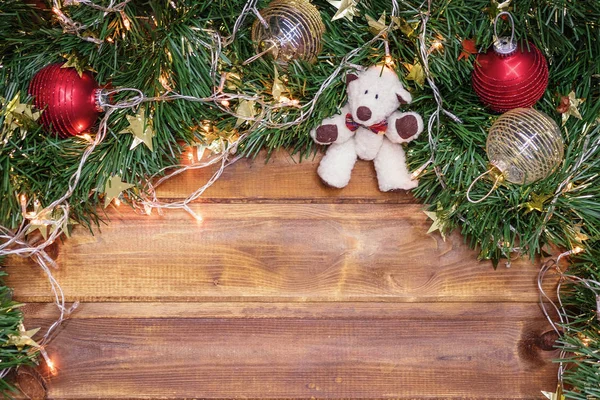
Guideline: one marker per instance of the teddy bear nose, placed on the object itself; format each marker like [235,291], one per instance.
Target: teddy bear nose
[363,113]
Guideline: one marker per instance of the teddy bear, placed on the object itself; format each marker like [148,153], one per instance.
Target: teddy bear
[369,127]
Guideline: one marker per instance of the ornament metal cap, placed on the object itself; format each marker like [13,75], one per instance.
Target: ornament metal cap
[100,99]
[505,45]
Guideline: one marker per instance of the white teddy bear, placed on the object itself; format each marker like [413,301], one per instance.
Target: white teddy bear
[370,127]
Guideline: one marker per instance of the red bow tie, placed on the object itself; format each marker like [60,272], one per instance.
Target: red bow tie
[378,128]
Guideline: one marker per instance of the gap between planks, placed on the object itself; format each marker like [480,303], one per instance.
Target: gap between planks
[280,179]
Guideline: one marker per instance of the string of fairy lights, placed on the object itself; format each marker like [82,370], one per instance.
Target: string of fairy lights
[56,214]
[15,243]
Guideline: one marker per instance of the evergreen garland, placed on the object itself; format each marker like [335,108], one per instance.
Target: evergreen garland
[167,41]
[11,355]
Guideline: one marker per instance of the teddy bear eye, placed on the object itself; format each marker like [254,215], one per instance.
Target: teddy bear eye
[366,91]
[376,96]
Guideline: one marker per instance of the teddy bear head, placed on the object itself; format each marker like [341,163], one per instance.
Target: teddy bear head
[374,94]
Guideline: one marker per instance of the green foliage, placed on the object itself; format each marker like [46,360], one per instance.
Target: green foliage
[11,318]
[173,42]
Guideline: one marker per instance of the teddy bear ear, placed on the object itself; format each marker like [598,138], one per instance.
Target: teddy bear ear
[403,96]
[350,78]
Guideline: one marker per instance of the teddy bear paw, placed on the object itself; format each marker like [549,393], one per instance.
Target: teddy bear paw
[326,134]
[395,185]
[407,126]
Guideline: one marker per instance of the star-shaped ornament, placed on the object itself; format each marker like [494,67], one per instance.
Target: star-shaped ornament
[141,129]
[569,106]
[497,7]
[377,26]
[18,115]
[113,188]
[67,222]
[245,111]
[407,28]
[23,339]
[537,202]
[577,235]
[437,224]
[558,395]
[74,62]
[279,89]
[468,48]
[415,73]
[345,9]
[40,220]
[233,81]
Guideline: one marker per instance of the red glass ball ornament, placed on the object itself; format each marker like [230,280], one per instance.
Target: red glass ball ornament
[69,101]
[510,76]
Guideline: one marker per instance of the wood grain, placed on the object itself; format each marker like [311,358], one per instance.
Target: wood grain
[281,178]
[306,350]
[286,289]
[273,252]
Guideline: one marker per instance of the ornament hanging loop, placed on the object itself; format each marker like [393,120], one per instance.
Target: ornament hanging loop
[499,179]
[504,45]
[104,96]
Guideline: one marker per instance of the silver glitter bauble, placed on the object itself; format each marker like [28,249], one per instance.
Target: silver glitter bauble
[293,30]
[525,145]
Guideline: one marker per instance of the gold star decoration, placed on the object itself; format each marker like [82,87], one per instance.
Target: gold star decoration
[67,222]
[407,28]
[141,129]
[415,73]
[39,220]
[437,224]
[23,338]
[537,202]
[113,188]
[576,234]
[496,8]
[558,395]
[345,9]
[569,106]
[245,112]
[233,81]
[18,115]
[376,26]
[74,62]
[279,89]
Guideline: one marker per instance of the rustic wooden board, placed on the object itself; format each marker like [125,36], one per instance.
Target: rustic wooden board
[273,252]
[346,350]
[282,178]
[286,289]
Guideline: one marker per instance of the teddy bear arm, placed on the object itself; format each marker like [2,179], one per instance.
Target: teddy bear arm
[404,126]
[332,129]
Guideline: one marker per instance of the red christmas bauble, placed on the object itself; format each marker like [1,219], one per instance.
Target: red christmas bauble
[510,76]
[69,101]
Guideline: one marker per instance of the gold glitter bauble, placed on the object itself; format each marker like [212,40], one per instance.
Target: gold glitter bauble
[525,145]
[294,30]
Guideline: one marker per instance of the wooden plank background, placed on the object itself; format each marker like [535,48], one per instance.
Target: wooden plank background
[286,289]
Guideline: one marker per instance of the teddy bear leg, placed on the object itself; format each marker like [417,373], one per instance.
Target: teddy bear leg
[390,164]
[336,166]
